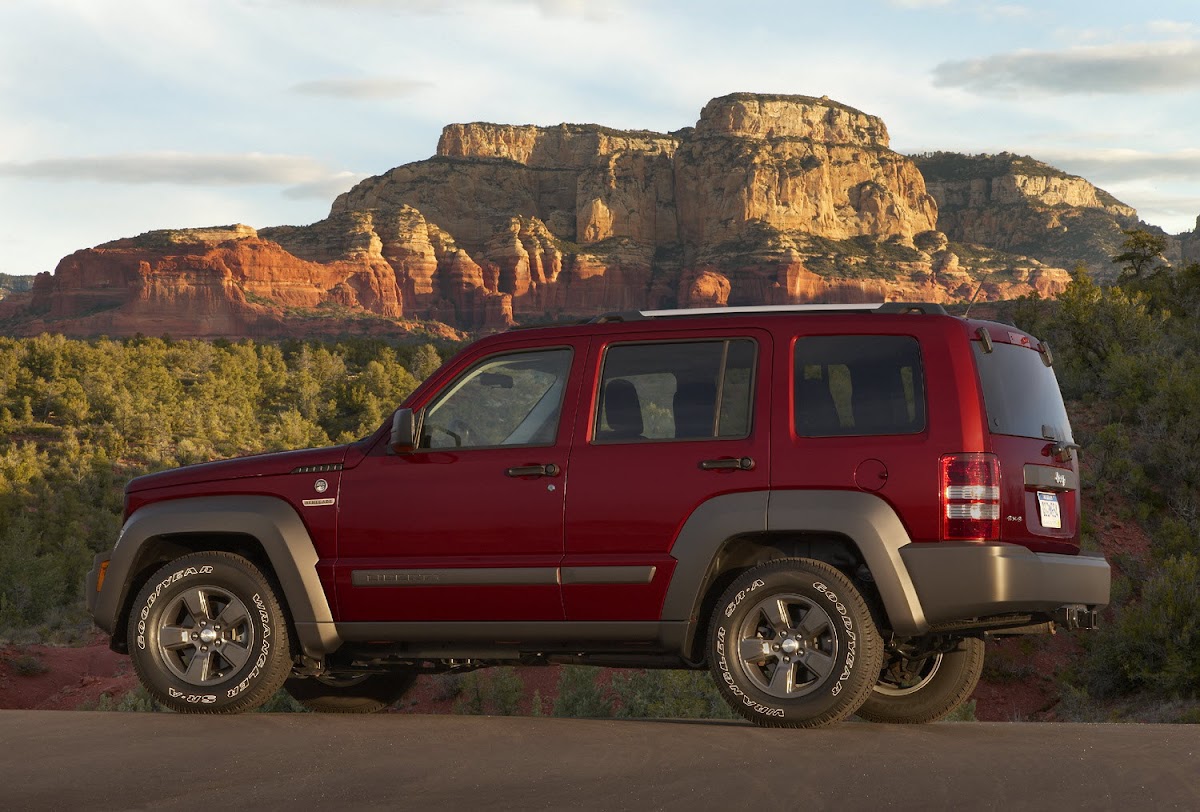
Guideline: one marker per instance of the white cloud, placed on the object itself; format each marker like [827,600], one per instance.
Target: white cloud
[367,87]
[1127,164]
[1133,68]
[189,169]
[919,3]
[1172,28]
[325,189]
[550,8]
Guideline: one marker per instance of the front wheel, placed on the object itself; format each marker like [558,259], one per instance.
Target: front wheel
[207,635]
[792,644]
[925,689]
[353,693]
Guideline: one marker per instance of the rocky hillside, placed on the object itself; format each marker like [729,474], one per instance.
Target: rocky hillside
[14,284]
[767,200]
[1014,203]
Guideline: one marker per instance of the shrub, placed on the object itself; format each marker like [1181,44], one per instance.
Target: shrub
[494,691]
[580,695]
[674,694]
[27,665]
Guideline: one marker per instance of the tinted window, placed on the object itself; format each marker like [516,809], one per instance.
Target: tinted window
[676,391]
[1021,393]
[856,385]
[512,399]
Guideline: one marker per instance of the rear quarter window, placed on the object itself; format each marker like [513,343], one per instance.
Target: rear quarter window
[858,385]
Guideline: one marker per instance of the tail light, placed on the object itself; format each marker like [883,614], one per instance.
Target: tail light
[970,497]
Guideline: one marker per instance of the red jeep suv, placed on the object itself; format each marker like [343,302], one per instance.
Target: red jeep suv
[829,507]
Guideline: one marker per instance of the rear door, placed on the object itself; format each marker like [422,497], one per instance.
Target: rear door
[1028,424]
[663,426]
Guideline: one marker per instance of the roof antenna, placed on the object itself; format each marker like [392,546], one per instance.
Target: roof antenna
[978,288]
[971,303]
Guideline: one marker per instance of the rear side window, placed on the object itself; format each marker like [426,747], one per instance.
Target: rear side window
[858,385]
[693,390]
[1021,393]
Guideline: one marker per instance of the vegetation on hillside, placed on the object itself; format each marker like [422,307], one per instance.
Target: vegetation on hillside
[1128,362]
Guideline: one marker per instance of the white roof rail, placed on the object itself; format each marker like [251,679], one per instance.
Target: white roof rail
[721,311]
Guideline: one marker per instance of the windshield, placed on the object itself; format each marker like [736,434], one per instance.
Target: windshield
[1021,393]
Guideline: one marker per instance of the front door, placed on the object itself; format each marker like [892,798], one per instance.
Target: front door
[470,525]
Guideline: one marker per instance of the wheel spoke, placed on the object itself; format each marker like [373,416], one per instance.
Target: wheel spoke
[198,669]
[781,680]
[197,604]
[175,638]
[818,662]
[777,615]
[814,623]
[232,615]
[754,650]
[237,655]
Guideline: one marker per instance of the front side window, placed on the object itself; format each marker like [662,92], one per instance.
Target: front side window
[512,399]
[858,385]
[693,390]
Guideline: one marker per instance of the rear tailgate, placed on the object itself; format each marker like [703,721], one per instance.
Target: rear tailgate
[1028,424]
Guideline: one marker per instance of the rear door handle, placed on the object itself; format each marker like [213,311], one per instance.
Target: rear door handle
[728,463]
[549,469]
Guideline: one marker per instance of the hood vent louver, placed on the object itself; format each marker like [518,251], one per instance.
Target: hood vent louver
[318,469]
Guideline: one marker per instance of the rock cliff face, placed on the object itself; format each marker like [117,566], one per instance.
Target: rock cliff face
[1014,203]
[767,199]
[1190,244]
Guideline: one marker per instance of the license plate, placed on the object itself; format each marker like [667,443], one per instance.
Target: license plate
[1048,510]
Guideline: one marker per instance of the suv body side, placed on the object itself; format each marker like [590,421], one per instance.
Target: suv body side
[627,537]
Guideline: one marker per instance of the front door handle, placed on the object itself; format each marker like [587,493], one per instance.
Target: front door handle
[549,469]
[728,463]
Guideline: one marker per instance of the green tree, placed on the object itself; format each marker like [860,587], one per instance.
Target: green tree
[1141,253]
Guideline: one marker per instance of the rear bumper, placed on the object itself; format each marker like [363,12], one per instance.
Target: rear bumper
[958,581]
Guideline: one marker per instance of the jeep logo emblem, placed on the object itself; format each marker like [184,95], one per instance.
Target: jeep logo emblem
[320,486]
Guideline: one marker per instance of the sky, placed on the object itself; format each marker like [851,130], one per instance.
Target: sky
[122,116]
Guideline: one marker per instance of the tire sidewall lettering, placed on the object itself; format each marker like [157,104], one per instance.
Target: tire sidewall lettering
[174,577]
[264,653]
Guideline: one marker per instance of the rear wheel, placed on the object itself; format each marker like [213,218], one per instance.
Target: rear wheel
[350,693]
[792,644]
[924,689]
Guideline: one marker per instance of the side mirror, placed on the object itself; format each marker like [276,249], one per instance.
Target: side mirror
[404,432]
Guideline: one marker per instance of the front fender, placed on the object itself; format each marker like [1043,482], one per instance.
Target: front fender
[271,521]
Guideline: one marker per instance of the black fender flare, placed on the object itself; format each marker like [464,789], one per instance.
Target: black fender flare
[865,519]
[270,520]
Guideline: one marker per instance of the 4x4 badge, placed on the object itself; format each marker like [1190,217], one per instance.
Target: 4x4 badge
[320,486]
[1060,478]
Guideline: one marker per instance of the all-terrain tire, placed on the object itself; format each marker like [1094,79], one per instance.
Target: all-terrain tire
[367,693]
[207,635]
[792,644]
[913,692]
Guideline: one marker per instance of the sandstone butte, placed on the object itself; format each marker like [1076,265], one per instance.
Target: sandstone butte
[767,200]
